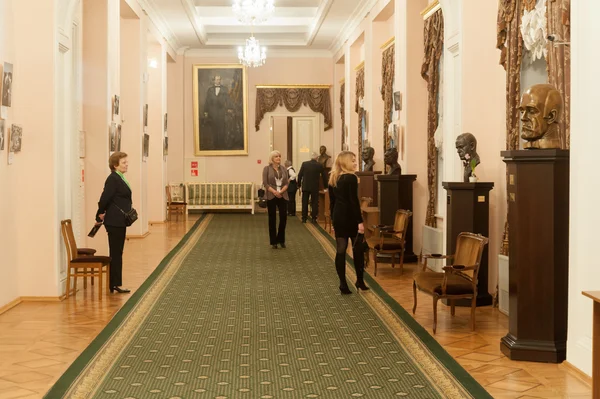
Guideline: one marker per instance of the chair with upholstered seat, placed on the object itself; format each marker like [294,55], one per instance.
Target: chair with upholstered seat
[82,259]
[458,281]
[390,239]
[176,206]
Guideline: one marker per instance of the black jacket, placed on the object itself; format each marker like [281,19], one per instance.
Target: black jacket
[308,177]
[116,194]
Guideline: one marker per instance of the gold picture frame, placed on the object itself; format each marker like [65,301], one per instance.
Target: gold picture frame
[220,116]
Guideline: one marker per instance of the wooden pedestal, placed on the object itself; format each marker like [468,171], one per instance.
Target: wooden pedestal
[595,296]
[367,187]
[468,209]
[396,192]
[538,219]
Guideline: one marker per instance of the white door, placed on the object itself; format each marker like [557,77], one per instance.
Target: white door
[305,133]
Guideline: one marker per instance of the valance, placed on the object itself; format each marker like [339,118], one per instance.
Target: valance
[292,98]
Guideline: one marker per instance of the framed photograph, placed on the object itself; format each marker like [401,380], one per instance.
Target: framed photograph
[165,128]
[220,109]
[146,115]
[166,147]
[112,137]
[397,101]
[118,138]
[116,101]
[7,77]
[146,146]
[16,138]
[1,135]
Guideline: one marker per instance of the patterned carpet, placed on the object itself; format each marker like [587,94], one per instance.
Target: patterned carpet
[225,316]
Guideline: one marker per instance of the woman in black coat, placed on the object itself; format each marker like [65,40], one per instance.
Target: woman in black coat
[347,218]
[114,202]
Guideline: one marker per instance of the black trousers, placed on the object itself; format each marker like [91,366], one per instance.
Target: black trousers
[116,243]
[293,188]
[277,236]
[358,254]
[314,203]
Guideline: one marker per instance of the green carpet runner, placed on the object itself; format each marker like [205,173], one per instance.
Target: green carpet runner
[225,316]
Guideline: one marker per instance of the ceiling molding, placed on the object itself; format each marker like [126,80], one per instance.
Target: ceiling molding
[161,25]
[351,25]
[190,10]
[271,53]
[322,12]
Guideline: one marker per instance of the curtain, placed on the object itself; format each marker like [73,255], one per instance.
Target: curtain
[387,92]
[558,17]
[343,111]
[510,44]
[430,71]
[360,93]
[268,99]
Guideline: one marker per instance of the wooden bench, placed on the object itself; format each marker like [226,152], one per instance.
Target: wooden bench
[220,196]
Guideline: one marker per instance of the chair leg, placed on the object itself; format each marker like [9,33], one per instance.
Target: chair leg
[415,296]
[435,301]
[393,260]
[107,278]
[100,283]
[68,283]
[402,261]
[473,308]
[375,262]
[75,281]
[452,307]
[85,270]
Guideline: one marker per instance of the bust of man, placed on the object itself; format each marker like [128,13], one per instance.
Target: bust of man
[540,108]
[391,159]
[367,157]
[323,157]
[466,146]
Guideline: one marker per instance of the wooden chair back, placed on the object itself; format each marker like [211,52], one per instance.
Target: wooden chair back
[66,228]
[365,202]
[168,191]
[469,250]
[401,223]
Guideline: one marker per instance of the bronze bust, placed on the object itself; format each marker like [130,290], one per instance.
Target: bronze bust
[540,108]
[391,159]
[323,157]
[367,157]
[466,146]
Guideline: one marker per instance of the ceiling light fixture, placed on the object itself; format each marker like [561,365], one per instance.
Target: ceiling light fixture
[253,12]
[252,55]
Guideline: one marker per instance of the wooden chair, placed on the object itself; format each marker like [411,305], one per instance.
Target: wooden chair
[365,202]
[458,281]
[174,207]
[390,239]
[82,260]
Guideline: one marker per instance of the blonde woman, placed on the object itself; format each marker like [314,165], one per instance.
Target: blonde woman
[347,218]
[275,181]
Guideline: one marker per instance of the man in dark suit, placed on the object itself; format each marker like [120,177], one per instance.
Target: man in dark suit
[217,106]
[308,180]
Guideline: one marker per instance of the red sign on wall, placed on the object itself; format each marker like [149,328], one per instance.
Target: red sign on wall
[194,164]
[195,172]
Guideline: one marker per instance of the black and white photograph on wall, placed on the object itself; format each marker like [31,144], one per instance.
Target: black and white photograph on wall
[112,137]
[146,115]
[118,138]
[166,147]
[16,138]
[7,78]
[397,101]
[165,128]
[1,135]
[116,105]
[146,146]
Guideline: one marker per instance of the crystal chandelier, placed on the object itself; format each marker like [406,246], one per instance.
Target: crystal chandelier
[253,12]
[252,55]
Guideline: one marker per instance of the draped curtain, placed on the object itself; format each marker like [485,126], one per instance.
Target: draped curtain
[558,18]
[343,111]
[268,99]
[387,92]
[510,44]
[430,71]
[360,93]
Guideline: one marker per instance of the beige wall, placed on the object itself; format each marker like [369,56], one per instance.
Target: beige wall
[235,168]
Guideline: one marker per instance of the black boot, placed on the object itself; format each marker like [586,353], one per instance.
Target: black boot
[340,268]
[359,264]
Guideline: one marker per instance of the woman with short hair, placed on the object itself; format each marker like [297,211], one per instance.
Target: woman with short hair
[114,202]
[275,181]
[347,218]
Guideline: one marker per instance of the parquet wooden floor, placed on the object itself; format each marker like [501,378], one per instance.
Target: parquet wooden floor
[39,340]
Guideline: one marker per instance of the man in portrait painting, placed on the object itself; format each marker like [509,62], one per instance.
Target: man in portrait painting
[218,112]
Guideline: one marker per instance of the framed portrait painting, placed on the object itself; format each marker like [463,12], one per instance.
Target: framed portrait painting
[220,109]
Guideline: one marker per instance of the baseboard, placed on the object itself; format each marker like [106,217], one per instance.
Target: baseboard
[138,236]
[10,305]
[578,373]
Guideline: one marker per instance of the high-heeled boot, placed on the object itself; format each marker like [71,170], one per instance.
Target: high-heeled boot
[340,268]
[359,267]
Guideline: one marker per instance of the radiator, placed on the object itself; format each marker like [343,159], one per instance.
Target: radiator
[220,196]
[433,244]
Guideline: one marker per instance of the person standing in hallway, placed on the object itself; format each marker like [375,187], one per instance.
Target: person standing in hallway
[275,181]
[114,202]
[308,181]
[292,188]
[347,218]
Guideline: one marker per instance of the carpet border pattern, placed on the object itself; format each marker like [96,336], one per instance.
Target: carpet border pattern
[446,374]
[83,377]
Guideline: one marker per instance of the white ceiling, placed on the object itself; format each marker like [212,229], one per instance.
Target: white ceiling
[296,24]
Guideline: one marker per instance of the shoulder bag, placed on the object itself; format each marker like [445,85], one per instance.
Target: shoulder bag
[130,217]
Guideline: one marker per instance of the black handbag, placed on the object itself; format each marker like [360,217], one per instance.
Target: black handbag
[130,217]
[262,201]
